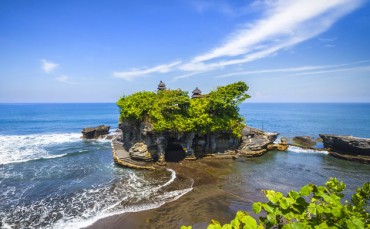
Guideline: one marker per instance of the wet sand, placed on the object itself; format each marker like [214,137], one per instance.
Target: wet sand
[208,200]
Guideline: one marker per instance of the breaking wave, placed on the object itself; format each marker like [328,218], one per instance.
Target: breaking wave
[23,148]
[297,149]
[136,192]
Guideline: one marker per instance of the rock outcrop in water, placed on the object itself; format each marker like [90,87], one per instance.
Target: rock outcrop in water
[255,142]
[169,126]
[144,144]
[304,141]
[347,147]
[95,132]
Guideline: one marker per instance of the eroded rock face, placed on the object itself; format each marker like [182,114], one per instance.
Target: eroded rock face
[95,132]
[142,142]
[193,144]
[255,141]
[347,144]
[139,151]
[282,146]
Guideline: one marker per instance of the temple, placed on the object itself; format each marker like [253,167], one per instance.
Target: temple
[161,86]
[197,93]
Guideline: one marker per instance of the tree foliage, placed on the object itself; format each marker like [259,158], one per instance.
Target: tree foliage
[173,110]
[312,207]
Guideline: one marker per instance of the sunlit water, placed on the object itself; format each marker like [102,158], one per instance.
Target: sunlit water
[51,178]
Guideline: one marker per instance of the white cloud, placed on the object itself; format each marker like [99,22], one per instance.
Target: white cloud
[287,22]
[63,78]
[48,66]
[129,75]
[283,24]
[352,69]
[328,39]
[301,70]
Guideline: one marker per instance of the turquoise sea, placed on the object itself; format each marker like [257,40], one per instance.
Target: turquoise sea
[51,178]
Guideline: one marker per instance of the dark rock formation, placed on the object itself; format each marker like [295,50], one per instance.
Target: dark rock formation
[144,144]
[348,147]
[255,141]
[173,146]
[304,141]
[95,132]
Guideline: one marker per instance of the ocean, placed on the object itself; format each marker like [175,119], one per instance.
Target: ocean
[51,178]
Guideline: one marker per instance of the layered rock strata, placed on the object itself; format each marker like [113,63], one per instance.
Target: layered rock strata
[347,147]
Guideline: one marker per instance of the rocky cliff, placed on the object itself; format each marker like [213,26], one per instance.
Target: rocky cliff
[144,144]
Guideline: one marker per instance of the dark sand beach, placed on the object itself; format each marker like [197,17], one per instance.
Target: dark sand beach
[206,201]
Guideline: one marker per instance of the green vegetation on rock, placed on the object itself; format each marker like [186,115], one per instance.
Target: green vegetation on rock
[173,110]
[312,207]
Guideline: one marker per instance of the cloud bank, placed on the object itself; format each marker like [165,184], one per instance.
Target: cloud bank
[283,24]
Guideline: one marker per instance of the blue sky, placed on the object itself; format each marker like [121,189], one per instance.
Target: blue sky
[96,51]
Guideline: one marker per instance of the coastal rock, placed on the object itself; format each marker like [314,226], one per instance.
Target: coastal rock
[95,132]
[284,139]
[283,146]
[348,147]
[144,144]
[347,144]
[139,151]
[255,141]
[252,153]
[304,141]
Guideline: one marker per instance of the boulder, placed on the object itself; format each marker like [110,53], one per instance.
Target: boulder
[347,144]
[95,132]
[139,151]
[255,141]
[304,141]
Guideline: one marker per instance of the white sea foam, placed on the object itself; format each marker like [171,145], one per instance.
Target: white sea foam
[142,190]
[79,222]
[297,149]
[135,192]
[22,148]
[173,177]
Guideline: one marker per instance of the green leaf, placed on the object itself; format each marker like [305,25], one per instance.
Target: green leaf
[323,225]
[337,211]
[355,223]
[312,209]
[249,222]
[257,207]
[267,208]
[284,204]
[295,225]
[214,225]
[271,217]
[186,227]
[306,190]
[293,194]
[228,226]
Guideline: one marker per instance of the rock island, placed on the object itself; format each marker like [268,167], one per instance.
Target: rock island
[169,126]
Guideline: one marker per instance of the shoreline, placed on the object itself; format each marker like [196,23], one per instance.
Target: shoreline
[206,201]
